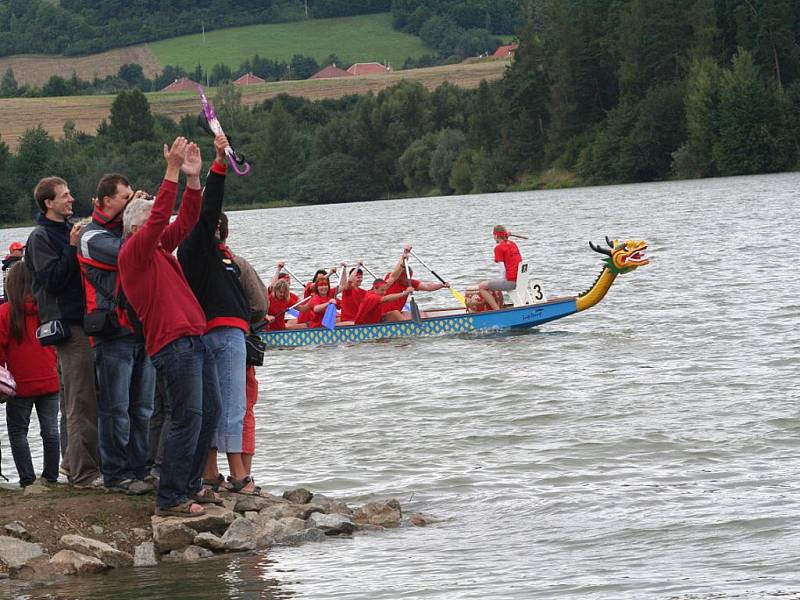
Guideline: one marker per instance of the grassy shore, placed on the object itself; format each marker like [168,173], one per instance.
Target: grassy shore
[365,38]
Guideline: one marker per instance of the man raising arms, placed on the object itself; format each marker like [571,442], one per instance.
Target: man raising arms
[173,324]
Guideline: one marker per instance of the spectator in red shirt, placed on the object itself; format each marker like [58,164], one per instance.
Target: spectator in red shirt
[507,253]
[34,369]
[174,324]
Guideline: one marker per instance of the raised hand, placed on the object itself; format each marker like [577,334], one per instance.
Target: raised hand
[193,162]
[175,154]
[220,144]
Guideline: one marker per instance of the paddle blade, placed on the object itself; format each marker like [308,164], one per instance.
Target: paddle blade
[329,318]
[415,315]
[458,296]
[406,307]
[293,313]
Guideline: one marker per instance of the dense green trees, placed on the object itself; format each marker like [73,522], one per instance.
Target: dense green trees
[607,91]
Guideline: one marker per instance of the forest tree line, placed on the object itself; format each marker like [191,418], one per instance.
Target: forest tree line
[600,91]
[450,28]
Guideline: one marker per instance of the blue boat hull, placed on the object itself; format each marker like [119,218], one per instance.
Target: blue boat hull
[522,317]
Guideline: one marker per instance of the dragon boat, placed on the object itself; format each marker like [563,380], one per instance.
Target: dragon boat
[529,308]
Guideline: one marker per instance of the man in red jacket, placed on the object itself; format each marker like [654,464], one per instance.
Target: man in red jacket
[173,324]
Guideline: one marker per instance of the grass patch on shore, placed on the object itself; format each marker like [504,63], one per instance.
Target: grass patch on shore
[552,179]
[364,38]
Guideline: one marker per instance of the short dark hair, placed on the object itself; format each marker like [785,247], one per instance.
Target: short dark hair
[107,186]
[46,190]
[223,227]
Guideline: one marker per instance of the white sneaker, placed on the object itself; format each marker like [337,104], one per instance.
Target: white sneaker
[96,484]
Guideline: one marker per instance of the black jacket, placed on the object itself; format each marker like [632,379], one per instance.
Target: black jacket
[213,277]
[56,276]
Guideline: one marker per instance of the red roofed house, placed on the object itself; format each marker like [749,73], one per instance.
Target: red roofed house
[184,84]
[506,51]
[370,68]
[249,79]
[330,72]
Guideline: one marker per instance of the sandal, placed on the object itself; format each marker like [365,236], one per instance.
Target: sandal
[213,484]
[184,509]
[238,485]
[206,496]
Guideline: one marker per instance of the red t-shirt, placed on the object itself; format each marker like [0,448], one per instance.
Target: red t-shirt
[277,309]
[507,253]
[316,317]
[369,311]
[396,288]
[351,300]
[305,317]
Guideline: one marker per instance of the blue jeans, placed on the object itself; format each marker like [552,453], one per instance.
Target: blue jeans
[227,346]
[126,381]
[192,393]
[18,419]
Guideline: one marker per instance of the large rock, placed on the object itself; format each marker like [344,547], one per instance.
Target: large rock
[15,554]
[69,562]
[210,541]
[279,528]
[245,502]
[385,514]
[190,554]
[298,511]
[298,496]
[246,534]
[171,534]
[331,524]
[109,555]
[216,518]
[145,555]
[329,505]
[17,529]
[302,537]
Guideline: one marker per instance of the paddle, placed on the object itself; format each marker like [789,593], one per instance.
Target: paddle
[457,295]
[368,271]
[293,276]
[415,316]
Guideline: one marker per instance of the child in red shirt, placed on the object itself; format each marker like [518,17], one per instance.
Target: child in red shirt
[507,253]
[34,369]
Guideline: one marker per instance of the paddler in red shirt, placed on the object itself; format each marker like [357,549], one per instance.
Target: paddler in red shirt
[393,310]
[369,311]
[319,301]
[507,253]
[352,293]
[280,299]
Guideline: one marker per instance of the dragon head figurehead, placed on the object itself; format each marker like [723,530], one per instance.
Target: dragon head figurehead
[623,256]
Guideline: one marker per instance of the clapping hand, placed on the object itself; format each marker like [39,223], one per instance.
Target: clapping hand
[193,162]
[175,154]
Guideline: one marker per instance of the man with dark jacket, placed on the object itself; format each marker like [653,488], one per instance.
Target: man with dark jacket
[213,276]
[50,254]
[125,375]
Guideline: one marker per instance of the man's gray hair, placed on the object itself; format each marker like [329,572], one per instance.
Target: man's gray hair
[136,213]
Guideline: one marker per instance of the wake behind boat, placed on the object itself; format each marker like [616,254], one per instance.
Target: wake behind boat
[526,311]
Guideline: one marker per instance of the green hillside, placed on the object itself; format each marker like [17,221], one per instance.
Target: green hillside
[363,38]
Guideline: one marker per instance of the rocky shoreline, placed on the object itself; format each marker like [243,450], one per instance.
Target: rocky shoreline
[61,532]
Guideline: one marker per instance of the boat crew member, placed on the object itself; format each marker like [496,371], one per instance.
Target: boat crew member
[507,253]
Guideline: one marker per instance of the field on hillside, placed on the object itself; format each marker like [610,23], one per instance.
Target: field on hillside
[19,114]
[34,69]
[365,38]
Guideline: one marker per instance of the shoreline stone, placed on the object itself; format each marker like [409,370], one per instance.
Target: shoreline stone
[242,524]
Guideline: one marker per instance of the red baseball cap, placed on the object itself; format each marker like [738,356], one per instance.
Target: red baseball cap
[16,246]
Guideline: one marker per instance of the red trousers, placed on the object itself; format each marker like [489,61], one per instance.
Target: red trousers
[249,429]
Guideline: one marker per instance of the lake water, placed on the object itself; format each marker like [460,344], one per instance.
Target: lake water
[647,448]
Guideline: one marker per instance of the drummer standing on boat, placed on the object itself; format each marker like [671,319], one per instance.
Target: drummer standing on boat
[507,253]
